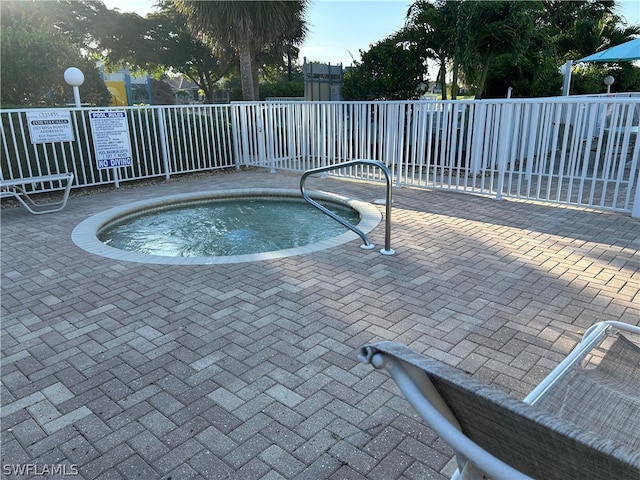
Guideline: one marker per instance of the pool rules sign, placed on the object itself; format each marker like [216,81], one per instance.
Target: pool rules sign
[111,142]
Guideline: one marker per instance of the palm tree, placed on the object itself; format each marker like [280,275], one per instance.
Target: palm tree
[492,29]
[594,35]
[430,27]
[249,28]
[579,28]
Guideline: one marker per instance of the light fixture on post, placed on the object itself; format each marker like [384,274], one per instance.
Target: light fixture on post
[608,81]
[74,77]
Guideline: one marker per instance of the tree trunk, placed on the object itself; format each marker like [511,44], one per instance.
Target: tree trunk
[256,87]
[208,88]
[483,80]
[205,84]
[454,83]
[443,80]
[246,74]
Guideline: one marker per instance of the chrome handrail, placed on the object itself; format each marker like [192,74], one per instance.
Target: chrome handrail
[374,163]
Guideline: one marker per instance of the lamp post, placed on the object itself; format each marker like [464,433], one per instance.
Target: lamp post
[608,81]
[74,77]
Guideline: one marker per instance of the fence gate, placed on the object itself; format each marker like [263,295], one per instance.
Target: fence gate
[264,134]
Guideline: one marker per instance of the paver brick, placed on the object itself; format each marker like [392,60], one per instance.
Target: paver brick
[28,432]
[136,467]
[352,456]
[249,370]
[249,450]
[282,461]
[209,466]
[254,469]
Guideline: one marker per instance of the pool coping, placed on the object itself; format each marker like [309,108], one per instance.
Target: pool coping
[84,235]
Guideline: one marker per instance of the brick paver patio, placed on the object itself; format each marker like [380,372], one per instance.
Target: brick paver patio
[126,370]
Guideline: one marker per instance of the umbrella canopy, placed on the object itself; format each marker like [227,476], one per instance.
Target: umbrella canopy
[620,53]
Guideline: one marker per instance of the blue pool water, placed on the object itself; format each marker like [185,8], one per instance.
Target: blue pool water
[225,227]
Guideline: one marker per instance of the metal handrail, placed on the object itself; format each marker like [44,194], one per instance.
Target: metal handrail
[374,163]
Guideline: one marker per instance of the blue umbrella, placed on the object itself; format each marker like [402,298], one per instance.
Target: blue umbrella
[620,53]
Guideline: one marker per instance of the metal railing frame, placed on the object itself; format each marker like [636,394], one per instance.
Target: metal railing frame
[387,250]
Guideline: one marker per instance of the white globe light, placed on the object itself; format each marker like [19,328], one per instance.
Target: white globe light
[74,76]
[608,80]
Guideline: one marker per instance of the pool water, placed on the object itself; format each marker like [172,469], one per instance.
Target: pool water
[235,226]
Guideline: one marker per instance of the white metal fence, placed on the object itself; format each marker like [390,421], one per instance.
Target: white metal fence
[574,150]
[164,141]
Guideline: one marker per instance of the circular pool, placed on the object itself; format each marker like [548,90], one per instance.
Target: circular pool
[228,226]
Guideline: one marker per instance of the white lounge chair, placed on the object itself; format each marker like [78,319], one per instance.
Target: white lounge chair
[581,422]
[19,189]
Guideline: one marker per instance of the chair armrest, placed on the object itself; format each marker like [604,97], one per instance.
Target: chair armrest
[427,402]
[590,339]
[38,179]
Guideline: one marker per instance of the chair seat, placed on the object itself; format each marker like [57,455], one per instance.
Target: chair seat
[605,398]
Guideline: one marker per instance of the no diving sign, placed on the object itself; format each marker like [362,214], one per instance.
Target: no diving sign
[111,142]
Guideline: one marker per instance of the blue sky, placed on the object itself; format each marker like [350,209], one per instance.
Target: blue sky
[339,29]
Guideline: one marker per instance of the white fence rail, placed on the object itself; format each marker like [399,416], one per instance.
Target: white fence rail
[574,150]
[164,141]
[580,151]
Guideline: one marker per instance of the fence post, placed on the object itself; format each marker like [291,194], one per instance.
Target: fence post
[532,132]
[163,142]
[235,133]
[503,149]
[477,128]
[635,210]
[265,142]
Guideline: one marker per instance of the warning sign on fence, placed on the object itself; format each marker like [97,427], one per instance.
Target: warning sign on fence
[50,126]
[111,141]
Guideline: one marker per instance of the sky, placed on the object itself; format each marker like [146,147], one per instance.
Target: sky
[339,29]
